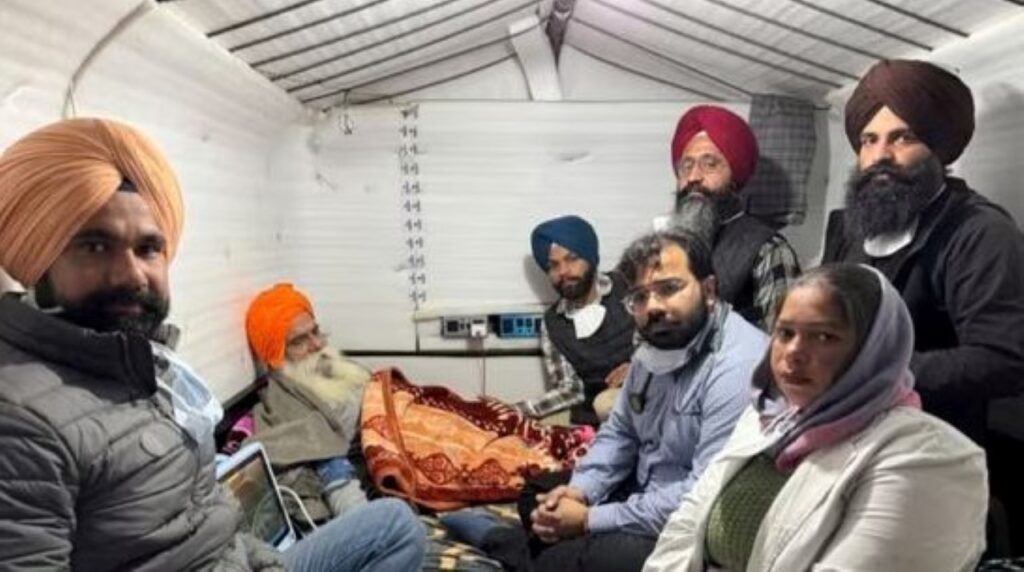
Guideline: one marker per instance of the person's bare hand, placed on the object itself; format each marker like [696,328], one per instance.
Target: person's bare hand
[568,520]
[617,376]
[545,523]
[547,519]
[551,499]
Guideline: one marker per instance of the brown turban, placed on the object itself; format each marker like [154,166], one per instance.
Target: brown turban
[933,102]
[270,318]
[57,177]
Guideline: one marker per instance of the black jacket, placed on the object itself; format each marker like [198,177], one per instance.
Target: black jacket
[735,253]
[962,278]
[595,357]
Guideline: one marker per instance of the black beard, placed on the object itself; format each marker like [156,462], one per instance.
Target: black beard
[877,206]
[94,313]
[578,291]
[666,334]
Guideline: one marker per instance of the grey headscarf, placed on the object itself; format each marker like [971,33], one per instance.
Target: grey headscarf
[877,380]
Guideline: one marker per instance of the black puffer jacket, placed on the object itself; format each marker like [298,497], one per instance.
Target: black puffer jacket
[94,473]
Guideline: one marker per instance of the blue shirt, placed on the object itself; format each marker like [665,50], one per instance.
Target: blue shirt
[688,416]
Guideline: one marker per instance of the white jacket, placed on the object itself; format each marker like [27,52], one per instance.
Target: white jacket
[908,493]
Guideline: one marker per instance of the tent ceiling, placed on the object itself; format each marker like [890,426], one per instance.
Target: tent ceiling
[324,52]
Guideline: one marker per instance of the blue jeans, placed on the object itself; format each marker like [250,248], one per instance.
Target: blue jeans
[383,536]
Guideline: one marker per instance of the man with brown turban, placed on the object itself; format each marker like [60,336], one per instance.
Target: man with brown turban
[714,153]
[957,258]
[106,434]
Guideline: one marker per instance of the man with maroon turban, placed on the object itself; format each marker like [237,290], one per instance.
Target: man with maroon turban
[957,258]
[106,435]
[714,153]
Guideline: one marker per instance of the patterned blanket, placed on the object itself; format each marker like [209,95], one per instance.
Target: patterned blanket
[427,444]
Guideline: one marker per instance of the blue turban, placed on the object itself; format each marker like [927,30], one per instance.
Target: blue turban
[570,232]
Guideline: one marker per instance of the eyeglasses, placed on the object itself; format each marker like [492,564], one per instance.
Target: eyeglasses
[637,298]
[708,164]
[308,340]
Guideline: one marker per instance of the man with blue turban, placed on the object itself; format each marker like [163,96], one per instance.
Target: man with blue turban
[587,335]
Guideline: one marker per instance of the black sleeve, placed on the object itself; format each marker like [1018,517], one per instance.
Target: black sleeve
[982,282]
[835,238]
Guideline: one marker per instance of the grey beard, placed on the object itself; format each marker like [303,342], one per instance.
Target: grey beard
[328,374]
[696,214]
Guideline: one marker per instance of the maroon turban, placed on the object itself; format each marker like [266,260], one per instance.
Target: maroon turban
[728,131]
[933,102]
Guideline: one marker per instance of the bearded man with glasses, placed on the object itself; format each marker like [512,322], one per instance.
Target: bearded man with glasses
[687,384]
[714,153]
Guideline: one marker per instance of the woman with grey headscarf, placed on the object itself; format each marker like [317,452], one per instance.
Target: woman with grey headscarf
[834,466]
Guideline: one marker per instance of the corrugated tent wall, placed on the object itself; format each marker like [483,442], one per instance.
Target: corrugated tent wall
[387,215]
[219,123]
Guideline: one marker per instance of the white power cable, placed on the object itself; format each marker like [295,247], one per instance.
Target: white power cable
[302,506]
[69,109]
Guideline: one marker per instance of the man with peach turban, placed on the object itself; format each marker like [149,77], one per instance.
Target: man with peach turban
[956,257]
[106,433]
[714,153]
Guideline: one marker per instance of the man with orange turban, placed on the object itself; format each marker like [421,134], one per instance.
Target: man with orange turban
[269,323]
[956,257]
[308,414]
[714,153]
[107,435]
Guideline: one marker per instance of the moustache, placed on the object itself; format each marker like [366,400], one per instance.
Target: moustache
[148,301]
[887,169]
[104,311]
[692,191]
[660,321]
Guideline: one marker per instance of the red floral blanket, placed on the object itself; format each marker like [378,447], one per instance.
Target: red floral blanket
[429,445]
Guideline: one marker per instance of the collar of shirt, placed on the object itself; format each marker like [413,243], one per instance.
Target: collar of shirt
[733,218]
[196,410]
[889,243]
[587,319]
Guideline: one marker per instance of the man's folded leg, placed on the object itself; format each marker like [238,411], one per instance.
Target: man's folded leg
[383,536]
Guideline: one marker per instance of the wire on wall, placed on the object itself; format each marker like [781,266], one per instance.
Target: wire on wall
[70,110]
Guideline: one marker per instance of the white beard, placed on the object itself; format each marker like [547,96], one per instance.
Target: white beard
[336,380]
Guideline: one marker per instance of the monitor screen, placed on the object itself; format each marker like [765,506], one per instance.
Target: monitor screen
[262,513]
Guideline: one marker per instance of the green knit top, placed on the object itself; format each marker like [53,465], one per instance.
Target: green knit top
[738,511]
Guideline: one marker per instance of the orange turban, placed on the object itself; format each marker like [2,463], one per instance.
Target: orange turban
[57,177]
[269,319]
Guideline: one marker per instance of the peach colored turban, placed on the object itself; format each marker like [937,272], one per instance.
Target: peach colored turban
[57,177]
[269,319]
